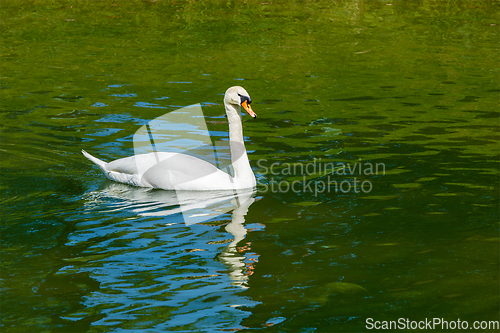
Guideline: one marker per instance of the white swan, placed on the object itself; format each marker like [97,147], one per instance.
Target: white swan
[176,171]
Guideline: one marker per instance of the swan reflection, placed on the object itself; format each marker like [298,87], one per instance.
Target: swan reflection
[191,208]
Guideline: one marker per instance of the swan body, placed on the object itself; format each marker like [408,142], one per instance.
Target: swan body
[176,171]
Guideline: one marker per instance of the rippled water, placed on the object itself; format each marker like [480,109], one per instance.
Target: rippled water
[409,86]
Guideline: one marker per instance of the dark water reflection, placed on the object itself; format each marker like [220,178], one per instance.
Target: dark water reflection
[411,85]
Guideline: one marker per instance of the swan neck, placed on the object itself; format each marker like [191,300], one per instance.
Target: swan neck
[239,157]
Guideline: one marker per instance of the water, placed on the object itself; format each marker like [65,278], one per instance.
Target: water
[412,86]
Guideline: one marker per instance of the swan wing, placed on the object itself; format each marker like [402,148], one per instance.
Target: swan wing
[185,172]
[169,171]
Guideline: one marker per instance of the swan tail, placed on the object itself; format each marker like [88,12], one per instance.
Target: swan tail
[98,162]
[116,175]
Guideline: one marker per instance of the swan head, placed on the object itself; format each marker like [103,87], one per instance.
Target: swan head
[238,96]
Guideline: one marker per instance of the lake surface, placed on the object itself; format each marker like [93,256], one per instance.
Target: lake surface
[340,88]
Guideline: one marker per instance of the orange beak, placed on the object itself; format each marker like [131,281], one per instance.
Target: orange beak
[248,109]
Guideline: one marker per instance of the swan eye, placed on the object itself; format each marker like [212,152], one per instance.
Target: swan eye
[245,98]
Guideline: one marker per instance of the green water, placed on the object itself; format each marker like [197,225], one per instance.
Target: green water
[410,85]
